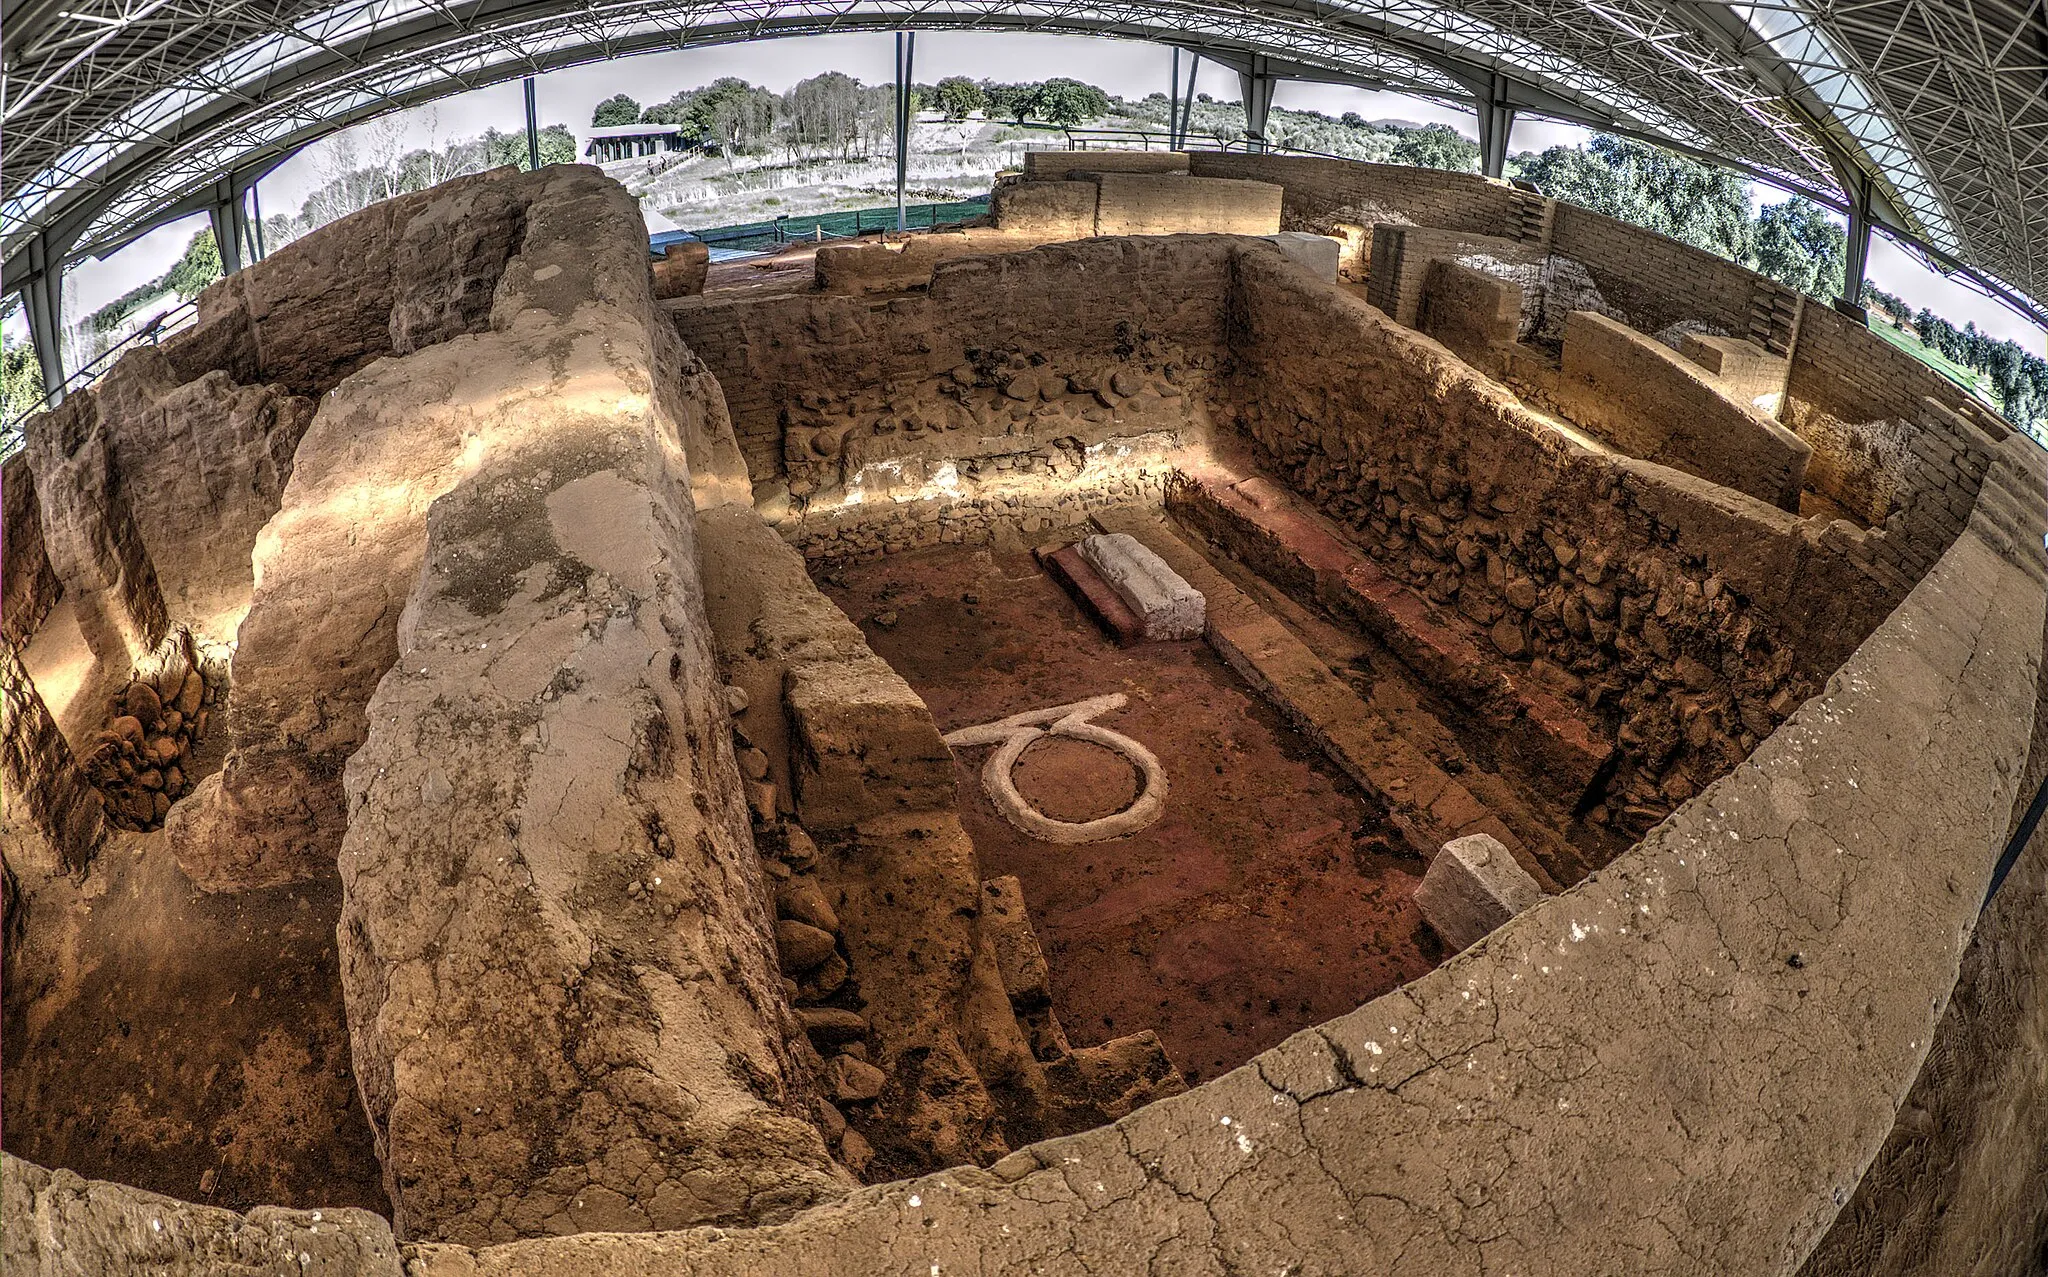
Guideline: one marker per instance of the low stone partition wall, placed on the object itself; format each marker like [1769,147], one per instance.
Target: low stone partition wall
[1650,402]
[1169,204]
[1479,316]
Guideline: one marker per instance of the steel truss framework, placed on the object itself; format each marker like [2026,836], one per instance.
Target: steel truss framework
[119,114]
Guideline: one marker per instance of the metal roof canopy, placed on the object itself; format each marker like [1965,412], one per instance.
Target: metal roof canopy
[1933,114]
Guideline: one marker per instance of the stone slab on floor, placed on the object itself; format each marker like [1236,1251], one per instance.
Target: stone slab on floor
[1078,579]
[1424,803]
[1473,886]
[1167,607]
[1291,546]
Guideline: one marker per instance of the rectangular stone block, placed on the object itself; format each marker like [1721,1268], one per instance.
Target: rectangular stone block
[1166,606]
[1473,885]
[1055,165]
[1319,254]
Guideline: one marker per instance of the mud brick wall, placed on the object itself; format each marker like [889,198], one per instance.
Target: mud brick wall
[1401,257]
[1652,403]
[1320,190]
[1163,204]
[29,583]
[1055,165]
[1657,281]
[1477,315]
[1691,619]
[1853,396]
[1055,208]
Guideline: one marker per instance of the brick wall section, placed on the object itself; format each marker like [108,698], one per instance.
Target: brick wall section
[1644,398]
[1164,204]
[29,582]
[1854,396]
[1055,165]
[1659,281]
[1319,189]
[1477,315]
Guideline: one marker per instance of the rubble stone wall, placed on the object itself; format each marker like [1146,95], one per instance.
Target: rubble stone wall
[1693,618]
[1014,389]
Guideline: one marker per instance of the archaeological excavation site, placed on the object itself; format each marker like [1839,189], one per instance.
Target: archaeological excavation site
[1241,713]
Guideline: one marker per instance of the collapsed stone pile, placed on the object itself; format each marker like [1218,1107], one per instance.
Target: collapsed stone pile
[810,947]
[141,762]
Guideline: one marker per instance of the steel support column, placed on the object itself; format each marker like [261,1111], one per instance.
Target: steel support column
[229,224]
[906,49]
[1256,87]
[532,129]
[1496,122]
[1858,264]
[1187,104]
[43,297]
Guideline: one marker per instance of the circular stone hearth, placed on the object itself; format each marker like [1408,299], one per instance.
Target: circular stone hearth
[1075,780]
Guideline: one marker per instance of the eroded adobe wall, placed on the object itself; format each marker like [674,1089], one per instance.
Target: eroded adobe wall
[30,583]
[1692,618]
[539,1047]
[1015,391]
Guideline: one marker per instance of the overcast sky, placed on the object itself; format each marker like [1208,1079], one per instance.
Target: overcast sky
[1126,68]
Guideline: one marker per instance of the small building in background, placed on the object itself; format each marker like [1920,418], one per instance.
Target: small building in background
[631,141]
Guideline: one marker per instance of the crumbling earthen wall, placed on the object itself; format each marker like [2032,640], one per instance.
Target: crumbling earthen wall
[1479,316]
[582,1027]
[30,583]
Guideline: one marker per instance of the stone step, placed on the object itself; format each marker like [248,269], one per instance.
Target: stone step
[1425,804]
[1549,739]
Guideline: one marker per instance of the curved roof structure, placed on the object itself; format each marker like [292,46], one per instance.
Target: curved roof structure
[121,113]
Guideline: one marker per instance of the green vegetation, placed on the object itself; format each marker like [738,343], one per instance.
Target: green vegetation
[199,267]
[616,110]
[959,97]
[21,385]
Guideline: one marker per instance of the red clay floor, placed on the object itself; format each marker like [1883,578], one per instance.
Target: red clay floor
[1270,896]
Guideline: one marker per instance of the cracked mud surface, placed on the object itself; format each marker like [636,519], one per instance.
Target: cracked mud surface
[1269,897]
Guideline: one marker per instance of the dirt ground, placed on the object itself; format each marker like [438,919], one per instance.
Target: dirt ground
[190,1044]
[1270,896]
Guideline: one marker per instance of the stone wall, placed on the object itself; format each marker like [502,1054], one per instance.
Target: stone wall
[1013,388]
[1651,402]
[1694,620]
[53,818]
[1055,166]
[1477,315]
[1659,282]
